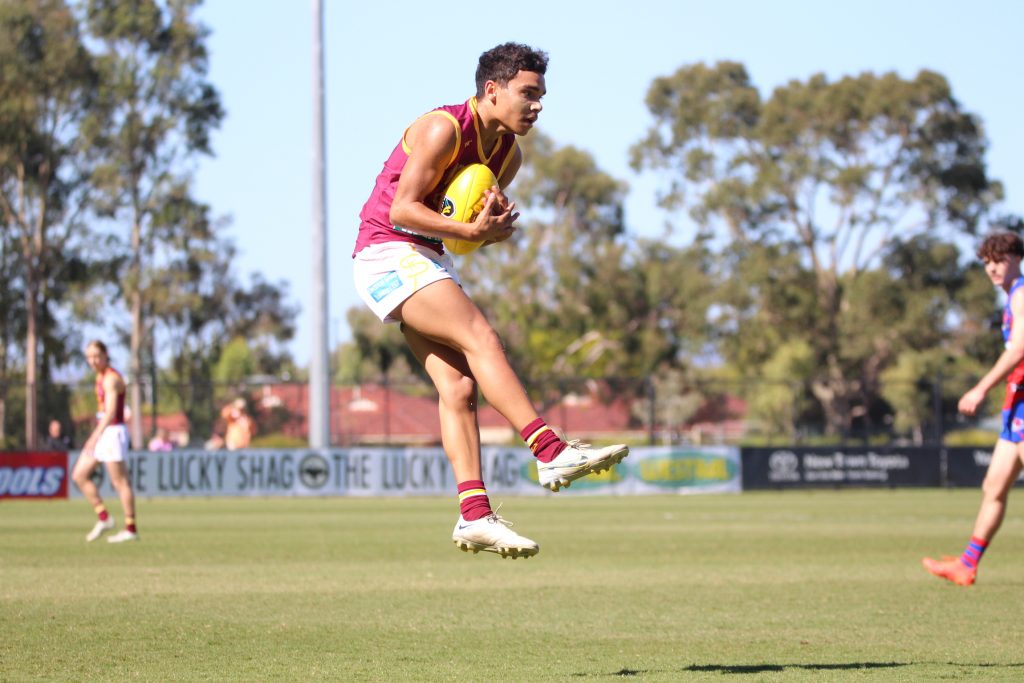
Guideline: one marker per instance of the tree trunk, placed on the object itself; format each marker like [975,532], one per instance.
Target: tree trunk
[135,350]
[834,394]
[33,251]
[31,360]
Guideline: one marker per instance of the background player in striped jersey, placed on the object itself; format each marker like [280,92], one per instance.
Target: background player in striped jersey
[1001,253]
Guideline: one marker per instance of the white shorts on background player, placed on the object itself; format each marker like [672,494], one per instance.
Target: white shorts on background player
[112,445]
[387,274]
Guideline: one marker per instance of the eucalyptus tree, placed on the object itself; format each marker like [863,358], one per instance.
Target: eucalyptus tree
[825,175]
[199,305]
[47,99]
[160,111]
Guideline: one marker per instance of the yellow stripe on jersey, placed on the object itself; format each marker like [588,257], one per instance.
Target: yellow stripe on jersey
[458,135]
[508,160]
[484,158]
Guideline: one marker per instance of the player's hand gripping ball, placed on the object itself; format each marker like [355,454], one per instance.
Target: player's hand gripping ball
[463,200]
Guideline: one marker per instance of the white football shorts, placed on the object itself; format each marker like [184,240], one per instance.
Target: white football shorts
[112,445]
[387,274]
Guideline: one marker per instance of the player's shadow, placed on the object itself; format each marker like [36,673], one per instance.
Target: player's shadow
[755,668]
[778,668]
[768,668]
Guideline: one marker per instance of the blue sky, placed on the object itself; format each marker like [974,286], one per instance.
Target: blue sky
[388,62]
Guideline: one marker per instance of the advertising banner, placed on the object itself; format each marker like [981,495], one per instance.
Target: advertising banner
[967,466]
[823,467]
[704,469]
[409,472]
[33,475]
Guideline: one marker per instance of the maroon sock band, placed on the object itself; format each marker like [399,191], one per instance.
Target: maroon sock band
[475,506]
[546,446]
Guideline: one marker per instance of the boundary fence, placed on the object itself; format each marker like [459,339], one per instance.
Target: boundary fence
[426,472]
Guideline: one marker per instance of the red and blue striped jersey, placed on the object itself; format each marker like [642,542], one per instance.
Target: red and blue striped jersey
[1015,380]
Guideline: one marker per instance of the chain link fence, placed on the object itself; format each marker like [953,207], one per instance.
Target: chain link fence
[668,409]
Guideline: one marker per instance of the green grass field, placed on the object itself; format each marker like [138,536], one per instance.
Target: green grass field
[760,586]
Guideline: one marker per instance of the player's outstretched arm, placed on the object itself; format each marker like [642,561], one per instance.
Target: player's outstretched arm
[1010,358]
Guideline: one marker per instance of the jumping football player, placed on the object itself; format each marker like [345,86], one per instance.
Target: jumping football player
[1001,254]
[108,443]
[404,275]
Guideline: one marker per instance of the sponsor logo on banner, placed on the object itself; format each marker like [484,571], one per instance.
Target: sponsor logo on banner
[686,468]
[783,466]
[853,467]
[314,470]
[845,466]
[33,475]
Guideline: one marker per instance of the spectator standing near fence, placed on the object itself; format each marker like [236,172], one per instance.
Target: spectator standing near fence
[107,444]
[1001,253]
[160,443]
[56,439]
[239,425]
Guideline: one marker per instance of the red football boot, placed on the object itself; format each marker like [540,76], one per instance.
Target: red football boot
[951,569]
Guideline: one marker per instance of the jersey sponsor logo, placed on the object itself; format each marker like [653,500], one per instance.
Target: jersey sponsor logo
[447,207]
[384,286]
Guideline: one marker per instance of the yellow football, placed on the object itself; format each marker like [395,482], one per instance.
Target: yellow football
[464,199]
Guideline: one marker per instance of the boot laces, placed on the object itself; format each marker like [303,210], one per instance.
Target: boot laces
[495,518]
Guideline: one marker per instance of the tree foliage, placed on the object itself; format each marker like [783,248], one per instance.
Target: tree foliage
[159,110]
[104,106]
[47,89]
[820,189]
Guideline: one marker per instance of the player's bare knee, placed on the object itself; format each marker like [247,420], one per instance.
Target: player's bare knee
[80,476]
[488,341]
[995,488]
[459,393]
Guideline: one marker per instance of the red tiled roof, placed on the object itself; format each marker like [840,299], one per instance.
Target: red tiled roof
[173,422]
[360,414]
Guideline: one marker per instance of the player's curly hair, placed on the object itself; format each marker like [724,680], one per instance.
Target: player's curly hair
[502,63]
[999,245]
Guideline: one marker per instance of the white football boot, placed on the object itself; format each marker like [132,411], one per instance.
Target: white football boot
[122,536]
[493,534]
[578,460]
[99,529]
